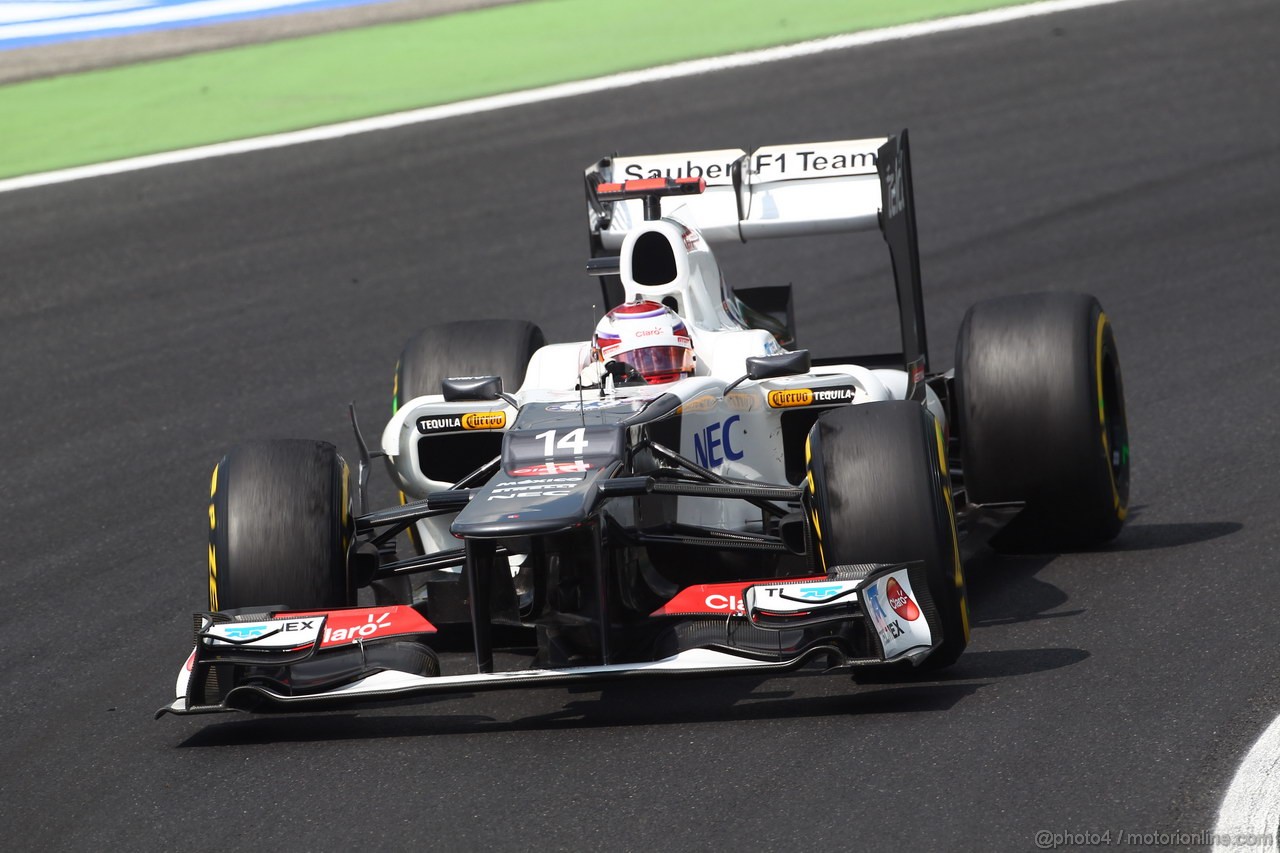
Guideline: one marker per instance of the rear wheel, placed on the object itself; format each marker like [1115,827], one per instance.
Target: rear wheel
[280,527]
[881,494]
[465,348]
[1040,413]
[462,348]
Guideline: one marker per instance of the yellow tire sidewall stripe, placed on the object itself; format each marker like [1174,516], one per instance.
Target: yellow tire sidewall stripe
[957,575]
[813,503]
[1120,507]
[213,526]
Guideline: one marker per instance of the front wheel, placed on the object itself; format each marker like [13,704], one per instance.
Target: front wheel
[280,527]
[880,493]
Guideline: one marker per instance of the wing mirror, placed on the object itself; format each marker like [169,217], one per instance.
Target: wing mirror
[773,366]
[458,388]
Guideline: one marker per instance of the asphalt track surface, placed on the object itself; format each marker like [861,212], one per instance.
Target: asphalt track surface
[149,320]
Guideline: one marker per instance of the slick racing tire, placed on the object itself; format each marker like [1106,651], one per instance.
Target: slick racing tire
[280,527]
[464,348]
[879,491]
[1040,414]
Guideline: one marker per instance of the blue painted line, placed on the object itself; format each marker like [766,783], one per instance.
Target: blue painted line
[41,22]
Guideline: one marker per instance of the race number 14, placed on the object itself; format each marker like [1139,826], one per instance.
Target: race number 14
[574,441]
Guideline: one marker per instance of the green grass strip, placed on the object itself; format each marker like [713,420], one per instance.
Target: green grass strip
[287,85]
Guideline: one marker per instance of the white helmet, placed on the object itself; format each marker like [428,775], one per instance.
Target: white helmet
[647,337]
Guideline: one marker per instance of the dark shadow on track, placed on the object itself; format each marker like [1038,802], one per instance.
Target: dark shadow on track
[1152,537]
[1004,589]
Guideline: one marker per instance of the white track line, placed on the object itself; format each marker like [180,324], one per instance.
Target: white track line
[1250,813]
[562,90]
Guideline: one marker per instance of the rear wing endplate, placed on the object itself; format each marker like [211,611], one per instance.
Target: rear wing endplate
[898,224]
[783,191]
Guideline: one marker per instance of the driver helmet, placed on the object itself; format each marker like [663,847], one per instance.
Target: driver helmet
[647,337]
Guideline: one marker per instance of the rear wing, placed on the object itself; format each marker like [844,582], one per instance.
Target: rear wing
[782,191]
[776,191]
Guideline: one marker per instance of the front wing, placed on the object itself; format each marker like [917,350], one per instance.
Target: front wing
[290,660]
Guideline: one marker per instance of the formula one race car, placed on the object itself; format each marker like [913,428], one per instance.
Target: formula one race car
[685,493]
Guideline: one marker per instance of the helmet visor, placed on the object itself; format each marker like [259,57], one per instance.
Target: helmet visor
[659,364]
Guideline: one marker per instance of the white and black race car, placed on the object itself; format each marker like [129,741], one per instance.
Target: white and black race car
[761,509]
